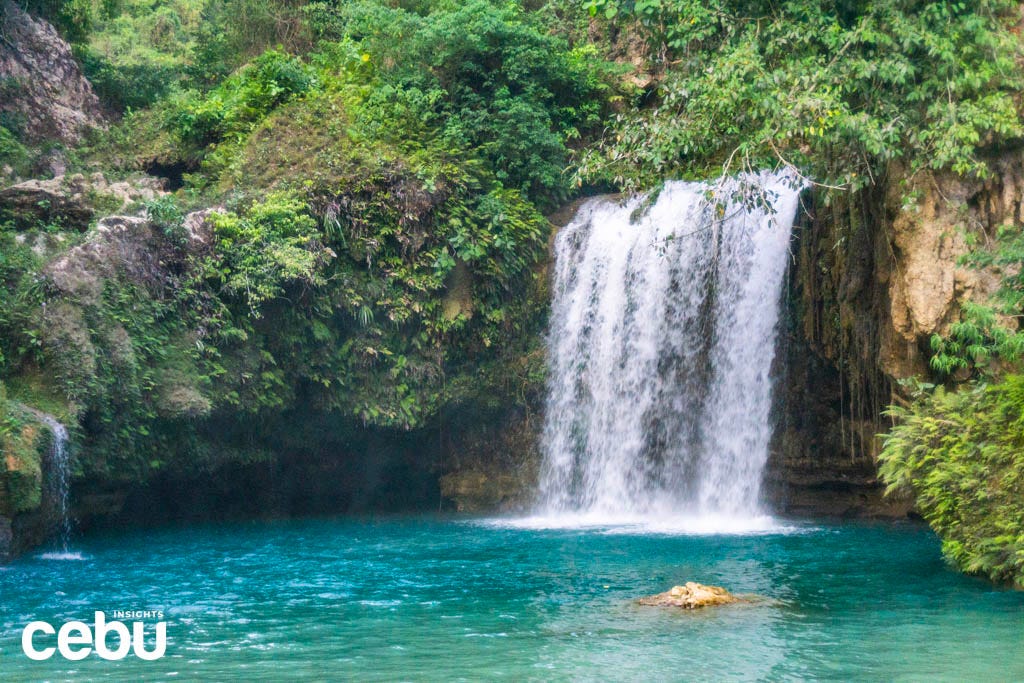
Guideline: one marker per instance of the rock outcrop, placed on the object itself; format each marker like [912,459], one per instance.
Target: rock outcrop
[493,468]
[925,282]
[73,201]
[41,84]
[691,596]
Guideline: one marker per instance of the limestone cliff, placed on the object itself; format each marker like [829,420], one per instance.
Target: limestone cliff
[876,274]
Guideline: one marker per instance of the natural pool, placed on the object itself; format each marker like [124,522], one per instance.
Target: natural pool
[443,599]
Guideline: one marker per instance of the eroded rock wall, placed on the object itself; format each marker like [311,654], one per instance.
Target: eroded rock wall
[875,275]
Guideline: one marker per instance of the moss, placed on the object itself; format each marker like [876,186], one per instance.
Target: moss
[23,443]
[34,387]
[303,141]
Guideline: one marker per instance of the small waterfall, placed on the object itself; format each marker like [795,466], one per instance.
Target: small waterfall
[662,339]
[60,478]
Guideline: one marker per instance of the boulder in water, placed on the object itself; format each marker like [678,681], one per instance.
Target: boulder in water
[691,596]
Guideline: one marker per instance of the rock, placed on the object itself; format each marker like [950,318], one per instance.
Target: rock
[127,245]
[877,273]
[458,297]
[691,596]
[492,464]
[47,201]
[481,490]
[72,201]
[43,86]
[199,226]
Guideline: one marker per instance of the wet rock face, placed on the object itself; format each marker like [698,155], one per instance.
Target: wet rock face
[875,276]
[42,85]
[493,469]
[6,538]
[27,508]
[690,596]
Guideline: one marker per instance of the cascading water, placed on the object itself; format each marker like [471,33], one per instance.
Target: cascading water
[60,479]
[662,339]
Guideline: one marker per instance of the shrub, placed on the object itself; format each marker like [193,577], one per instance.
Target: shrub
[486,78]
[241,101]
[123,86]
[961,455]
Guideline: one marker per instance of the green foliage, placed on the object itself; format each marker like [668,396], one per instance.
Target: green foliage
[380,257]
[165,213]
[961,454]
[244,99]
[485,78]
[988,331]
[974,341]
[23,441]
[234,31]
[838,89]
[1007,256]
[13,153]
[73,18]
[274,245]
[135,52]
[20,295]
[124,86]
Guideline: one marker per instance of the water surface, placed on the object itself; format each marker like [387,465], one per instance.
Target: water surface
[443,599]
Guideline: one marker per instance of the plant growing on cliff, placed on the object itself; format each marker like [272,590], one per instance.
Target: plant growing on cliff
[242,100]
[961,455]
[486,79]
[273,245]
[987,339]
[974,342]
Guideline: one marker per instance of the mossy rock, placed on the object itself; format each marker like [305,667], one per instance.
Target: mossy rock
[24,442]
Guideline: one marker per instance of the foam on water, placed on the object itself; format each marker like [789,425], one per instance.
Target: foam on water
[641,525]
[62,556]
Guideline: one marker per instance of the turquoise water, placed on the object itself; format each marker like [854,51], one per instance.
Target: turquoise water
[442,599]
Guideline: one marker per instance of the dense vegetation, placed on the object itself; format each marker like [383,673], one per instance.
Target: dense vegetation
[961,454]
[839,89]
[380,170]
[378,250]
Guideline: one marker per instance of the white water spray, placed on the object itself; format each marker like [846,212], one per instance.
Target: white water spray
[663,334]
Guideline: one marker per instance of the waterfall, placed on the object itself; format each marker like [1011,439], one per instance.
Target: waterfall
[60,477]
[662,339]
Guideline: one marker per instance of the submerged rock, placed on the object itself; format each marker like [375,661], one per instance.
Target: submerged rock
[691,596]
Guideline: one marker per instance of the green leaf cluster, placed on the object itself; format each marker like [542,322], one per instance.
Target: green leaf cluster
[961,455]
[838,89]
[974,341]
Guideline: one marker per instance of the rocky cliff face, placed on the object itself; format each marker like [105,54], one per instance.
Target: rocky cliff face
[875,276]
[41,85]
